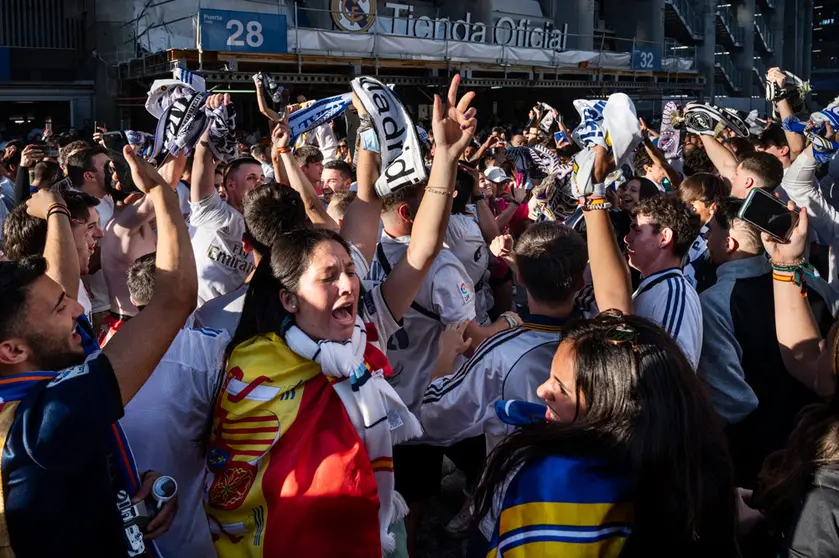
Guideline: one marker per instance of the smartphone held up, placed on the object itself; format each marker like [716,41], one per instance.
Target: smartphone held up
[769,214]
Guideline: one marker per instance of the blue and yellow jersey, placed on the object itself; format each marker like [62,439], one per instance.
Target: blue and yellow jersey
[563,506]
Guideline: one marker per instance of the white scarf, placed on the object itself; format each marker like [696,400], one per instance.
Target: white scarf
[378,414]
[402,163]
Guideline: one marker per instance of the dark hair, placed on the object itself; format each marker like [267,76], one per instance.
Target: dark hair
[648,415]
[773,136]
[140,279]
[814,443]
[307,155]
[16,278]
[740,146]
[46,173]
[281,271]
[704,187]
[341,201]
[410,195]
[728,213]
[464,186]
[551,258]
[696,160]
[641,159]
[672,213]
[81,162]
[260,150]
[71,148]
[341,166]
[270,210]
[235,164]
[26,236]
[646,188]
[765,166]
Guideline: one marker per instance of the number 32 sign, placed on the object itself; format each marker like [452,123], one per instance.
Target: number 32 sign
[646,59]
[254,32]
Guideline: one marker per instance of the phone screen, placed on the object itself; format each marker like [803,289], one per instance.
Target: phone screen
[768,214]
[559,136]
[114,141]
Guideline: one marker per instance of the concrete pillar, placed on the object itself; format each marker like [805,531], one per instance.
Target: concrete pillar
[650,27]
[579,14]
[744,58]
[705,51]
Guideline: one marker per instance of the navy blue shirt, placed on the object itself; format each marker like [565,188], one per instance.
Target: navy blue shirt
[56,465]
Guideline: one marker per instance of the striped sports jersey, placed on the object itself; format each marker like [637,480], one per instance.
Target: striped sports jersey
[668,299]
[566,506]
[508,365]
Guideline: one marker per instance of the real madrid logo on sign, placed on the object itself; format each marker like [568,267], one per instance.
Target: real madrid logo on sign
[354,16]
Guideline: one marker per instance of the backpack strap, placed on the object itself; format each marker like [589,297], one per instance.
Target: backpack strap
[380,253]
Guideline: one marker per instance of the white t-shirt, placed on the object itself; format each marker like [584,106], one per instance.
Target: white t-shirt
[166,423]
[466,242]
[223,312]
[84,300]
[445,297]
[183,199]
[216,231]
[668,299]
[100,301]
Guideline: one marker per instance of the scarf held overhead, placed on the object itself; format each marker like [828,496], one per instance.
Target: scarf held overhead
[402,162]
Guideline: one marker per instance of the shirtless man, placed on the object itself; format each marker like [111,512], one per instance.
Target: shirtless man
[128,236]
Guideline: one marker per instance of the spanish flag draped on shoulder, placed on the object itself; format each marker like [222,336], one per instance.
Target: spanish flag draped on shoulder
[288,474]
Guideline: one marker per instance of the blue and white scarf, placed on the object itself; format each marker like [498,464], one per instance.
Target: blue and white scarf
[317,114]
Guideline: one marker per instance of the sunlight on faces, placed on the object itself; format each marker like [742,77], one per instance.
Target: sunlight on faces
[100,175]
[313,171]
[629,194]
[741,182]
[642,242]
[242,180]
[49,337]
[326,302]
[560,390]
[334,181]
[718,242]
[86,235]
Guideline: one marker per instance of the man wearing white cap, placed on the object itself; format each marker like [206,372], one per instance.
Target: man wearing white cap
[507,202]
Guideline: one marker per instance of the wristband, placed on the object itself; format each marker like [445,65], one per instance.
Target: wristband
[794,274]
[58,211]
[596,204]
[283,150]
[439,191]
[511,321]
[61,205]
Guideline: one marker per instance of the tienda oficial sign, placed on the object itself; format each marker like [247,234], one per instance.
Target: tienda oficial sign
[503,31]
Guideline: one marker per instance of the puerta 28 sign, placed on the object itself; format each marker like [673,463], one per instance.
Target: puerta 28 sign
[251,32]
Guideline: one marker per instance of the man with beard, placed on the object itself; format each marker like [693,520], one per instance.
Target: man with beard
[65,463]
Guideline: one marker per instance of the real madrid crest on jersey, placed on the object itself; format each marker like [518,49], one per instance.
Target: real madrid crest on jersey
[354,16]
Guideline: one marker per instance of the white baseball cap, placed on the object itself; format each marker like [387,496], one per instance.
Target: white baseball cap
[497,175]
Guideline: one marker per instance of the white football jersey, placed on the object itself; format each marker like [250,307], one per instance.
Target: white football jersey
[668,299]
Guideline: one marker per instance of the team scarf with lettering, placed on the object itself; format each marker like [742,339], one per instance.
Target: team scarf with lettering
[15,388]
[377,412]
[317,114]
[400,150]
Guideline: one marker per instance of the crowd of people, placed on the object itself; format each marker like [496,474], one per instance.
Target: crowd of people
[220,345]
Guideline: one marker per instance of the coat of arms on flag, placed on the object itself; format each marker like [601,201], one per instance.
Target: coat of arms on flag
[354,16]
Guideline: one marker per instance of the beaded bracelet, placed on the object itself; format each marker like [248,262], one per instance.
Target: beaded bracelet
[794,273]
[596,204]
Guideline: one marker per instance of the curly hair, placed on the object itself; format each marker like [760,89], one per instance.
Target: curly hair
[672,213]
[697,160]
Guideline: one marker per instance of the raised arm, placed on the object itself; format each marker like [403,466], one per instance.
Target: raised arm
[60,249]
[141,211]
[270,114]
[361,221]
[794,141]
[609,275]
[315,211]
[454,125]
[136,350]
[804,352]
[723,159]
[204,166]
[659,160]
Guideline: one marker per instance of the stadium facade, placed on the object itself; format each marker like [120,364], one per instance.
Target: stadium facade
[513,51]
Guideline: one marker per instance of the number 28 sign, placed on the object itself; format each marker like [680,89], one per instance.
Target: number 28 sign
[229,31]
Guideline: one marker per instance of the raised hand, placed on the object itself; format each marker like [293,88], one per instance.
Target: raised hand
[281,134]
[454,123]
[39,203]
[777,76]
[31,155]
[791,252]
[145,176]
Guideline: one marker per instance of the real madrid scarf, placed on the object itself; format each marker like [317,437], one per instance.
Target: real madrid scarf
[317,114]
[402,163]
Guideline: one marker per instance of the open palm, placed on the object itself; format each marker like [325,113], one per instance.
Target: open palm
[454,124]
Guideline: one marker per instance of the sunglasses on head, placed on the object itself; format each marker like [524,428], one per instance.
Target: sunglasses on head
[620,332]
